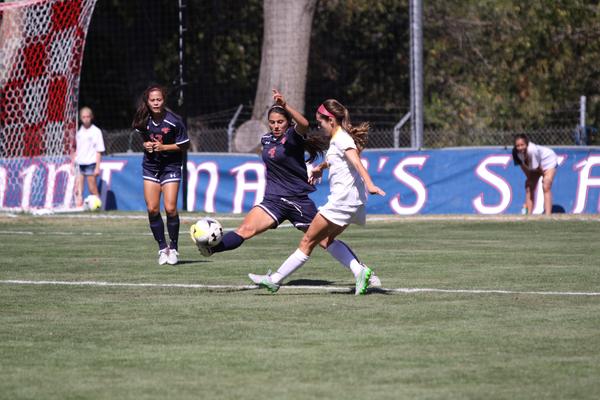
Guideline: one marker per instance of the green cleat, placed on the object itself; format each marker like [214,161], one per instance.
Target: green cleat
[362,281]
[264,281]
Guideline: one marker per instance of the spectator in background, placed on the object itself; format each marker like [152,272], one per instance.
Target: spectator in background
[535,161]
[88,155]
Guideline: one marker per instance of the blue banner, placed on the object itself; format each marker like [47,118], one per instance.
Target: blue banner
[441,181]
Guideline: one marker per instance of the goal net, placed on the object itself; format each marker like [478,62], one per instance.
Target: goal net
[41,51]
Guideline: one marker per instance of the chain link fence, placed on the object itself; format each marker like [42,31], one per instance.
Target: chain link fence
[215,133]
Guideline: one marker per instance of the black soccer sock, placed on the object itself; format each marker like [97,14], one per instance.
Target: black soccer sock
[158,229]
[230,241]
[173,228]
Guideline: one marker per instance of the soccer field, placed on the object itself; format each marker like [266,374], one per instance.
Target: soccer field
[519,317]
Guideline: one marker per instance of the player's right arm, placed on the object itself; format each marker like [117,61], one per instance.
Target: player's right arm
[301,121]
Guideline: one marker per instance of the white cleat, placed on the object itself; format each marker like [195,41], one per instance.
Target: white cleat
[374,281]
[172,257]
[163,256]
[257,279]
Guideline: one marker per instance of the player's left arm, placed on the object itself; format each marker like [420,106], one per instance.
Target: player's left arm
[354,158]
[98,161]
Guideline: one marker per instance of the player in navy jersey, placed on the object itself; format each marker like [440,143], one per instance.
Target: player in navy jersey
[165,138]
[349,182]
[287,186]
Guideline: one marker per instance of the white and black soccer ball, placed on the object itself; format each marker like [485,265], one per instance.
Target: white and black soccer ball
[92,203]
[207,231]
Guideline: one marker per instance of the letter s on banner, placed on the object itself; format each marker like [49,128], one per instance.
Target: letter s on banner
[414,183]
[497,182]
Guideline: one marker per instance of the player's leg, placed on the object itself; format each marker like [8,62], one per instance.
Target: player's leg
[152,191]
[547,180]
[301,215]
[170,191]
[530,187]
[92,185]
[319,229]
[79,189]
[257,221]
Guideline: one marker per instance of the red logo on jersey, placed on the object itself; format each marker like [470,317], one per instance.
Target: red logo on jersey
[156,137]
[272,152]
[165,130]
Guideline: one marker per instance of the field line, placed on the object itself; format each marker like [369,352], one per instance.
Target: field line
[331,289]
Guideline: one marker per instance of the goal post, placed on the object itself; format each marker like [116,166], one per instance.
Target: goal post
[41,52]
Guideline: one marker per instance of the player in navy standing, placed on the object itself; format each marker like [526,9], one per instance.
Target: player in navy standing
[165,139]
[287,186]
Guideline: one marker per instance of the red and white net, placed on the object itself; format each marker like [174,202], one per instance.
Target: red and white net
[41,51]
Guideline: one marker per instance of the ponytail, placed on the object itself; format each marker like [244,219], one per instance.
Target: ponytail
[359,133]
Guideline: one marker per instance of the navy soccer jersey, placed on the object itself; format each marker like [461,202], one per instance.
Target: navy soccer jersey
[168,131]
[286,169]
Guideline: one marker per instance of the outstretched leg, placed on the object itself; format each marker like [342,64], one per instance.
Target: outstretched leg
[256,222]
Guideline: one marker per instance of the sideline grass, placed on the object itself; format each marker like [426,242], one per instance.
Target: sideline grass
[61,342]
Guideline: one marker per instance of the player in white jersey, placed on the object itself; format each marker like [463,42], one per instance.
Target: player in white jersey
[89,148]
[535,161]
[348,181]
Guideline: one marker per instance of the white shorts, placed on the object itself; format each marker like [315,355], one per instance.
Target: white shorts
[344,215]
[549,162]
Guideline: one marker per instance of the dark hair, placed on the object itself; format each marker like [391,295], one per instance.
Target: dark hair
[314,145]
[142,112]
[359,133]
[275,108]
[515,153]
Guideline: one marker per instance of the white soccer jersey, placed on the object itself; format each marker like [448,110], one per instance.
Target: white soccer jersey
[539,157]
[345,184]
[89,142]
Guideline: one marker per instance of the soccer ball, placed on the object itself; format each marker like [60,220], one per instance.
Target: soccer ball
[92,203]
[207,232]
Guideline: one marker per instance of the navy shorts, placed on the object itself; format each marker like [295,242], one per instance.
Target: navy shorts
[87,169]
[162,175]
[299,211]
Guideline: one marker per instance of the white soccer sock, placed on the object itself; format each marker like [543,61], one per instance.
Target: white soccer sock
[342,253]
[294,261]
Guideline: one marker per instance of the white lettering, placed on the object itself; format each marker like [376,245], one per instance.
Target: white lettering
[585,182]
[51,179]
[242,185]
[414,183]
[106,170]
[497,182]
[211,188]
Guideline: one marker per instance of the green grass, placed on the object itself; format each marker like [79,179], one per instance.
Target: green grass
[89,342]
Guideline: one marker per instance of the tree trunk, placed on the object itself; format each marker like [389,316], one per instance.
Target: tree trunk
[284,61]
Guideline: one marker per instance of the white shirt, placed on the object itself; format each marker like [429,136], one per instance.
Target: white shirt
[539,157]
[89,142]
[345,184]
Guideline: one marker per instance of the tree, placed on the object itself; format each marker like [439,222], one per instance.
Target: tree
[285,49]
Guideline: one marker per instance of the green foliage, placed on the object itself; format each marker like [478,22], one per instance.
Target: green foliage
[493,64]
[508,64]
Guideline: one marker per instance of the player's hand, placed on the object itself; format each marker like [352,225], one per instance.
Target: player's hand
[96,171]
[372,189]
[158,146]
[278,98]
[149,146]
[315,175]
